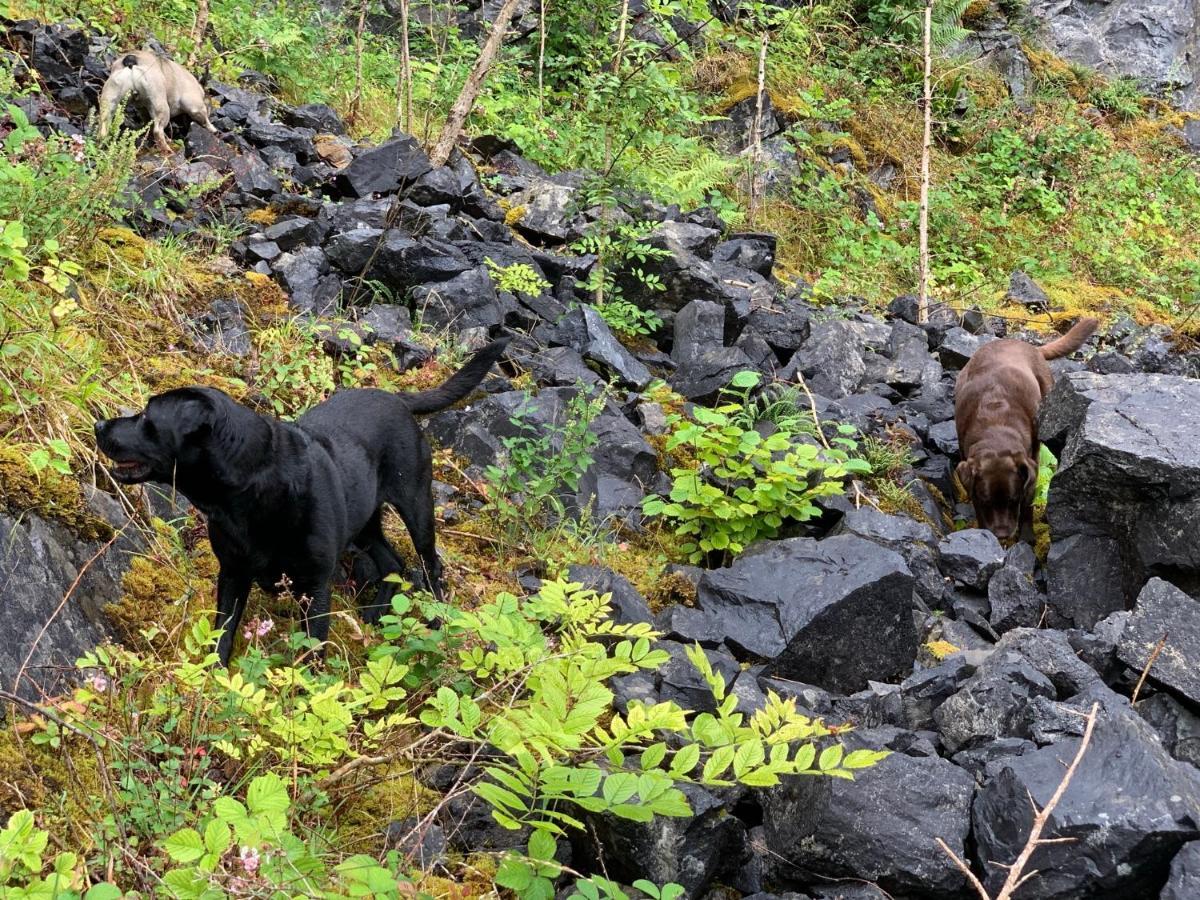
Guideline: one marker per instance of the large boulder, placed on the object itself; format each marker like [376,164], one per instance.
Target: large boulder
[44,564]
[1153,41]
[882,827]
[803,605]
[1128,809]
[1128,479]
[584,330]
[384,169]
[1163,613]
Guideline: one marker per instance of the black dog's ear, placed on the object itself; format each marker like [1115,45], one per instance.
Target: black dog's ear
[192,415]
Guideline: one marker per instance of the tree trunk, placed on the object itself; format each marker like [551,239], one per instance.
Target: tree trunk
[927,109]
[404,92]
[198,28]
[470,90]
[757,129]
[356,99]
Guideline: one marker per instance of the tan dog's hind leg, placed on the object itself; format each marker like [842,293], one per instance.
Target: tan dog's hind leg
[161,116]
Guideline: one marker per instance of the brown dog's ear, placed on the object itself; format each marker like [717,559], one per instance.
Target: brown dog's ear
[1027,471]
[965,471]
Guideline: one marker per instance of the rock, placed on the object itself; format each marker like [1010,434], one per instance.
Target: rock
[1084,579]
[1176,725]
[913,540]
[561,367]
[384,169]
[1014,600]
[1129,473]
[222,329]
[354,251]
[1162,610]
[387,323]
[253,177]
[584,330]
[1128,809]
[688,850]
[699,327]
[468,300]
[545,213]
[879,828]
[993,703]
[971,556]
[748,251]
[785,326]
[440,185]
[958,346]
[315,116]
[304,276]
[944,437]
[1051,653]
[1149,40]
[906,307]
[734,132]
[628,606]
[801,603]
[40,561]
[421,846]
[911,363]
[831,359]
[1184,880]
[924,691]
[1024,290]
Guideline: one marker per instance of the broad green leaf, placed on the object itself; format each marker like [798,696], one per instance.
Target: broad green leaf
[184,846]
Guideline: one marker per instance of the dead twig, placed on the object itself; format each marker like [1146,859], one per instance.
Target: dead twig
[1158,648]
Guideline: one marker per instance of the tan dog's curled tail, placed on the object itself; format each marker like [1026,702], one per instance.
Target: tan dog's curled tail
[1072,340]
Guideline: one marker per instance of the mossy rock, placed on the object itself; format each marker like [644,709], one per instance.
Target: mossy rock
[47,494]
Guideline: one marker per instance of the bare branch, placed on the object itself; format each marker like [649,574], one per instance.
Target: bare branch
[1158,648]
[965,869]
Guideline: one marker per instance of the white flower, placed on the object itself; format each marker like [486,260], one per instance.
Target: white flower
[249,857]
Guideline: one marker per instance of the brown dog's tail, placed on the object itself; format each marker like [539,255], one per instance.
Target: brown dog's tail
[459,384]
[1072,340]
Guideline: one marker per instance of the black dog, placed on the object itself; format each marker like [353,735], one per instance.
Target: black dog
[285,500]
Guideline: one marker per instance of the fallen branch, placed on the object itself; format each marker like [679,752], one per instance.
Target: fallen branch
[1158,648]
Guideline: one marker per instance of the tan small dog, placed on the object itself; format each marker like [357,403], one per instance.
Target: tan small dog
[163,89]
[996,399]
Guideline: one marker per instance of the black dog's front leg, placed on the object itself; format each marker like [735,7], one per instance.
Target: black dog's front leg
[232,590]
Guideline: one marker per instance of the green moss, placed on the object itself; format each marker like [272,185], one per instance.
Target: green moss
[48,494]
[63,785]
[386,794]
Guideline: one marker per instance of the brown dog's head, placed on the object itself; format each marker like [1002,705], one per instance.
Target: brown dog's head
[1000,485]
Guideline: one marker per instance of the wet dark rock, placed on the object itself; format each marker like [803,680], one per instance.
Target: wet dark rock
[800,603]
[971,557]
[628,606]
[1176,725]
[993,703]
[958,346]
[304,275]
[1024,290]
[1128,809]
[584,330]
[831,360]
[222,329]
[466,300]
[880,828]
[420,844]
[1183,882]
[315,116]
[1129,473]
[1164,611]
[1014,600]
[690,850]
[384,169]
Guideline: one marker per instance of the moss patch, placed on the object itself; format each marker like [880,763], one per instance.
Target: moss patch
[48,494]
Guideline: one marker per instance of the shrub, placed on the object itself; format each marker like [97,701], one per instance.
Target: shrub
[745,485]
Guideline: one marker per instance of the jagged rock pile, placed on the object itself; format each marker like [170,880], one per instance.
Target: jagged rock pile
[973,664]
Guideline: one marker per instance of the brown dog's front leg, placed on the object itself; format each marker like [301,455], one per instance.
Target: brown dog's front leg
[232,591]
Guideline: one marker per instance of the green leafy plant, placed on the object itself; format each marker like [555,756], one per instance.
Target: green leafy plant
[517,278]
[55,455]
[745,486]
[22,864]
[628,319]
[525,488]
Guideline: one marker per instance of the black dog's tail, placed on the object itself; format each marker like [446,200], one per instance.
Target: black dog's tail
[130,61]
[460,383]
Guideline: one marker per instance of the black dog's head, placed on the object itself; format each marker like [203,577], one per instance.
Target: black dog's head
[168,438]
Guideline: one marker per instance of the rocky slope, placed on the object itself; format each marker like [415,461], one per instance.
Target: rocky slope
[973,664]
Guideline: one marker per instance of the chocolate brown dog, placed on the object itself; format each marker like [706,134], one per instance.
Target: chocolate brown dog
[286,499]
[996,401]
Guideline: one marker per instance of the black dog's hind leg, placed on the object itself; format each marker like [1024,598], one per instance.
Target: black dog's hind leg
[232,591]
[417,513]
[372,540]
